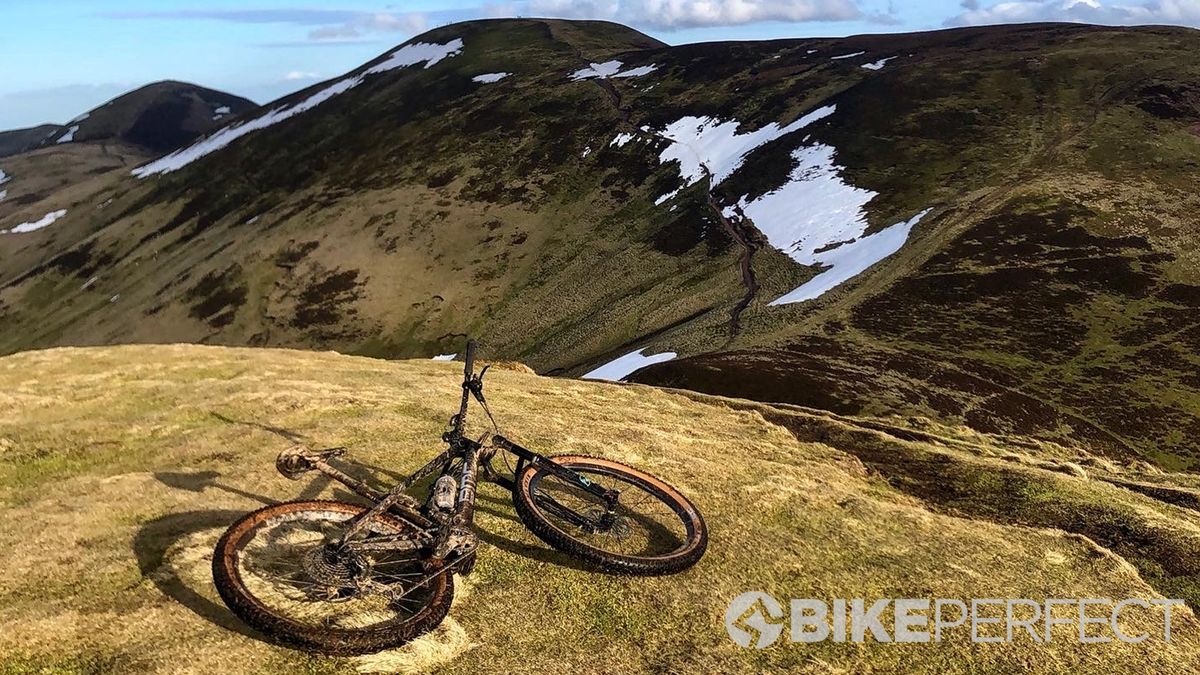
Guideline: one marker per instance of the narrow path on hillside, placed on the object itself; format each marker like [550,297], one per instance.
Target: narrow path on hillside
[742,230]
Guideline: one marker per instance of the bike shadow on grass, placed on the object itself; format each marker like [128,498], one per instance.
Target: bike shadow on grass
[180,576]
[539,552]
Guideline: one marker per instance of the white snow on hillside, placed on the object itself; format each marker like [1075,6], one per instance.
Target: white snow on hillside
[3,194]
[846,56]
[877,65]
[69,136]
[602,70]
[610,69]
[220,112]
[621,140]
[621,368]
[81,118]
[637,72]
[45,220]
[408,55]
[4,178]
[444,357]
[705,145]
[818,209]
[488,78]
[847,261]
[816,218]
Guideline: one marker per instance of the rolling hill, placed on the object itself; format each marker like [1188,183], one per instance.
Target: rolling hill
[991,227]
[20,140]
[121,466]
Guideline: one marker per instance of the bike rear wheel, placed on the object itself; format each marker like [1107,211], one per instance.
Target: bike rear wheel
[653,530]
[273,569]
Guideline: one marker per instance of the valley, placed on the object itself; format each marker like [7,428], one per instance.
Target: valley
[989,227]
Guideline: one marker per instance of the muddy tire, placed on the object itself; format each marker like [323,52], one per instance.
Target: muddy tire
[679,525]
[228,564]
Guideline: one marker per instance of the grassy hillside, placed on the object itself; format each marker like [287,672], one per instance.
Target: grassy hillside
[120,466]
[1047,290]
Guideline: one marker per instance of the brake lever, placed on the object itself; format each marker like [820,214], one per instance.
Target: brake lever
[475,386]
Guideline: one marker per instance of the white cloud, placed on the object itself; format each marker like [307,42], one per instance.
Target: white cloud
[302,75]
[367,23]
[1111,12]
[673,14]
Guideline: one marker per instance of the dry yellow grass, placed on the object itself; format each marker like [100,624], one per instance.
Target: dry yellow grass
[120,466]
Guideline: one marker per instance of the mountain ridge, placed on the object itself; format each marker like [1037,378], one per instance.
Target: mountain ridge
[587,200]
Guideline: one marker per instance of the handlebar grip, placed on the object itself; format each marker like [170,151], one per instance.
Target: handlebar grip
[469,368]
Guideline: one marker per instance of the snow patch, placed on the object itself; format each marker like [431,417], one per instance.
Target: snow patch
[220,112]
[703,144]
[816,218]
[848,260]
[408,55]
[846,56]
[877,65]
[45,220]
[621,368]
[81,118]
[621,140]
[4,178]
[444,357]
[601,70]
[69,136]
[609,69]
[488,78]
[637,72]
[3,194]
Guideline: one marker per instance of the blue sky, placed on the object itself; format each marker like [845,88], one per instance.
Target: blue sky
[63,57]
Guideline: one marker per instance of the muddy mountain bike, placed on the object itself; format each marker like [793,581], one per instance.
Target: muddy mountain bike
[339,578]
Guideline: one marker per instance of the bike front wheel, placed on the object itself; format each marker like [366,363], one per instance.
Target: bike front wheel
[277,570]
[652,530]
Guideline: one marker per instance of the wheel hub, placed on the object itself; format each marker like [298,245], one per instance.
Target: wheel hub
[327,566]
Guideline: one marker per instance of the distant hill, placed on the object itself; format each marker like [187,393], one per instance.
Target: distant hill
[158,117]
[20,140]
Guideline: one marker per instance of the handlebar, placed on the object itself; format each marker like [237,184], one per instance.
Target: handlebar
[469,368]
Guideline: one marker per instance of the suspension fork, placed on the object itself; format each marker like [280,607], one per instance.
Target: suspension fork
[456,535]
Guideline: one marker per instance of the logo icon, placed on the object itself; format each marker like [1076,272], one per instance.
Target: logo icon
[754,619]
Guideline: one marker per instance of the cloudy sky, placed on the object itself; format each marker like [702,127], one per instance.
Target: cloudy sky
[63,57]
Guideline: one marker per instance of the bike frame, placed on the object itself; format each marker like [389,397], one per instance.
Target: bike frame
[448,538]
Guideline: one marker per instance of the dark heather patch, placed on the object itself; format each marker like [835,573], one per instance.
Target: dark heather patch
[323,302]
[162,127]
[217,296]
[695,223]
[293,253]
[443,178]
[1170,101]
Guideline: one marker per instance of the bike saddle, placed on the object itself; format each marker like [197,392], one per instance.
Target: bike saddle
[298,460]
